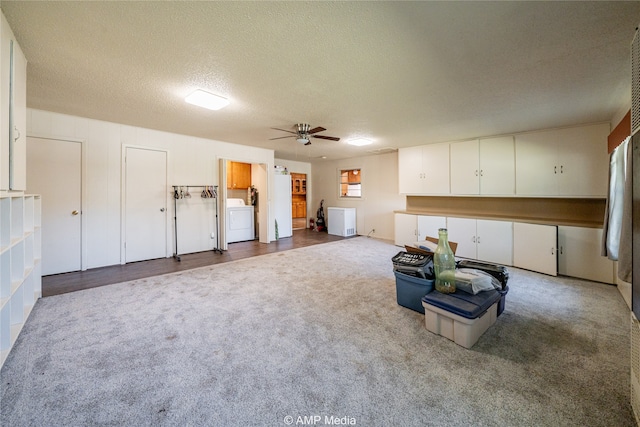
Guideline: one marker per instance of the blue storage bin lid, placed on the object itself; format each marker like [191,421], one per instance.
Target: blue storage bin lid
[462,303]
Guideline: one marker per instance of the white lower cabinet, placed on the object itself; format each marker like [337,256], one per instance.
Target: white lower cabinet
[428,226]
[579,254]
[411,228]
[535,247]
[20,267]
[485,240]
[405,229]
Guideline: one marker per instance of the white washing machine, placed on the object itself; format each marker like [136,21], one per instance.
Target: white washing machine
[240,226]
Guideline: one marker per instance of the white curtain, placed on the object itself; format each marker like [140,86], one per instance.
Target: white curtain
[616,246]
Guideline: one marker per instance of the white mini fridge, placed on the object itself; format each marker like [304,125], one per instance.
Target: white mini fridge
[341,221]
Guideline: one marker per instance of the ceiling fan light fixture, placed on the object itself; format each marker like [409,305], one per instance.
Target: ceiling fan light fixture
[302,140]
[359,142]
[207,100]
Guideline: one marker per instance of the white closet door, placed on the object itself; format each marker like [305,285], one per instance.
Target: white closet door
[54,171]
[145,204]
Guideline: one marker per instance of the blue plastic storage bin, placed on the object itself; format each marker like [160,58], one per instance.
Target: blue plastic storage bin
[503,297]
[411,289]
[463,304]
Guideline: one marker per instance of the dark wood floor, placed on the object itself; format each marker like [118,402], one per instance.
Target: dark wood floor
[69,282]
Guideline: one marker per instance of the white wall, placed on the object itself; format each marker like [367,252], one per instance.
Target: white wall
[191,161]
[379,192]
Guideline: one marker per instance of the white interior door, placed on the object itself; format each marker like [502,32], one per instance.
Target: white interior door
[145,234]
[54,171]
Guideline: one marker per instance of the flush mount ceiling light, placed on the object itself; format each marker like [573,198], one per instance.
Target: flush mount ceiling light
[359,142]
[206,100]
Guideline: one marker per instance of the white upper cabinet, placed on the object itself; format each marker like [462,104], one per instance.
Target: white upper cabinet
[13,111]
[497,166]
[424,169]
[410,171]
[563,162]
[484,166]
[465,167]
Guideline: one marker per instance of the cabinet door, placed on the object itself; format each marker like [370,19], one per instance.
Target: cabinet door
[534,247]
[497,166]
[18,133]
[536,164]
[494,241]
[465,167]
[243,175]
[463,232]
[429,226]
[405,229]
[435,167]
[583,161]
[579,254]
[410,176]
[5,76]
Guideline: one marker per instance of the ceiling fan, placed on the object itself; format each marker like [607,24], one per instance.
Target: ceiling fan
[304,132]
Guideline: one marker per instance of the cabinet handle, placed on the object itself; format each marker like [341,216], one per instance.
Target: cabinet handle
[75,213]
[553,251]
[561,169]
[18,132]
[476,172]
[555,169]
[473,239]
[481,172]
[478,240]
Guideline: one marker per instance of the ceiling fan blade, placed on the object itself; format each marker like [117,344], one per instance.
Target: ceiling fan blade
[284,130]
[280,137]
[316,130]
[331,138]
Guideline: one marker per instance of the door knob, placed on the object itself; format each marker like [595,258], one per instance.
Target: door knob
[161,209]
[75,213]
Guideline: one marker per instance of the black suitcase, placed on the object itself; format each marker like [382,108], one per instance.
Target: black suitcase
[413,264]
[498,271]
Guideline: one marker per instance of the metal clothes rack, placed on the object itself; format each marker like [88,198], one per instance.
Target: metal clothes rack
[208,192]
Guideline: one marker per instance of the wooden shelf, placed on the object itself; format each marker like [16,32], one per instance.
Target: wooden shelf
[580,212]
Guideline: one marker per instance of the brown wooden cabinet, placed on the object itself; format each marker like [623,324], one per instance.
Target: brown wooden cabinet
[238,175]
[298,183]
[298,206]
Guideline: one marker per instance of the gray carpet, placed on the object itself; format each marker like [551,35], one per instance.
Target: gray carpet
[315,331]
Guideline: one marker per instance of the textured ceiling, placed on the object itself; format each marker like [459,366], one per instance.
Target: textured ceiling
[399,73]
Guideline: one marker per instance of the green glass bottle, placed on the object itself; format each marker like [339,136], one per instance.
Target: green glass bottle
[444,264]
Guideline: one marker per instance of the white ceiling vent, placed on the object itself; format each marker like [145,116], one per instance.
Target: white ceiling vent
[383,150]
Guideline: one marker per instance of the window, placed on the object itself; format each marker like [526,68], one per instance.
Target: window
[351,183]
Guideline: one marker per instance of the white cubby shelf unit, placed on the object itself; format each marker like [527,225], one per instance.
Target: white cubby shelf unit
[20,268]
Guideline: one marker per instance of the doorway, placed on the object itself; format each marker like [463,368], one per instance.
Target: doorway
[299,200]
[54,170]
[145,204]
